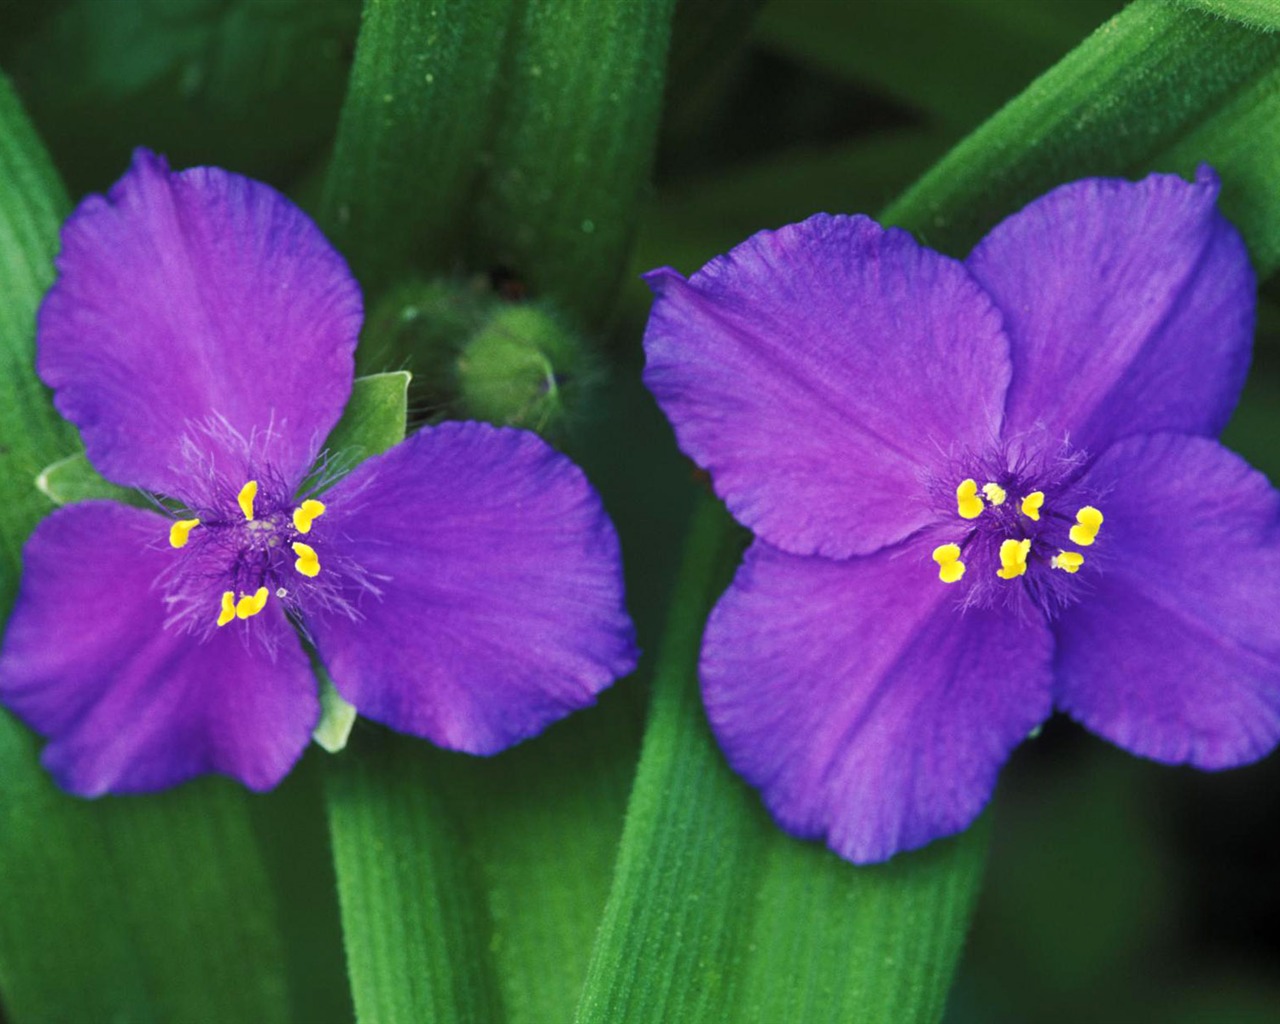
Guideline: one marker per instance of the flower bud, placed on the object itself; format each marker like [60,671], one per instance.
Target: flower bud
[519,368]
[421,326]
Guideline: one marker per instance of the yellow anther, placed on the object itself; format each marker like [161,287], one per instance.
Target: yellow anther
[228,608]
[950,568]
[1067,561]
[946,553]
[247,493]
[250,604]
[180,531]
[308,562]
[1031,505]
[1013,559]
[968,503]
[995,493]
[306,512]
[1088,520]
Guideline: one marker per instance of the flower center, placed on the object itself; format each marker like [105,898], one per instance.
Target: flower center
[251,550]
[1012,534]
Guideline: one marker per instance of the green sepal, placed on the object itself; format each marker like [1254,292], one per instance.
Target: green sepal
[372,422]
[337,716]
[74,479]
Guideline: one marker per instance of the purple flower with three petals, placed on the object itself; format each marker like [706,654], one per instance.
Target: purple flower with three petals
[980,491]
[464,586]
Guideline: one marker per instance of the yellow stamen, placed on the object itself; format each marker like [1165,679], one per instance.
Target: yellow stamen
[1031,505]
[306,512]
[247,493]
[250,604]
[968,503]
[1067,561]
[995,493]
[1088,521]
[1013,558]
[180,531]
[308,562]
[950,568]
[228,608]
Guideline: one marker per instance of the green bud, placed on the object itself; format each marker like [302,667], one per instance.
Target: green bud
[520,367]
[421,326]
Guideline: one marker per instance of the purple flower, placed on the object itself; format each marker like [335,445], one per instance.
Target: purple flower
[980,491]
[464,586]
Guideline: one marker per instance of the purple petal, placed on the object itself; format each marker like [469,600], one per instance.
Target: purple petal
[820,372]
[1176,655]
[1130,308]
[867,707]
[499,588]
[190,302]
[128,705]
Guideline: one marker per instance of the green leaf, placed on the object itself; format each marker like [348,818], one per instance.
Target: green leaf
[716,915]
[32,435]
[415,929]
[508,906]
[708,918]
[418,105]
[559,199]
[525,131]
[139,909]
[1262,15]
[505,893]
[1159,87]
[543,823]
[254,85]
[706,216]
[957,62]
[491,873]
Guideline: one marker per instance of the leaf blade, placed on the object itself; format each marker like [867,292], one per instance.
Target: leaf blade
[417,110]
[415,929]
[79,880]
[572,148]
[1144,57]
[415,932]
[1156,75]
[696,948]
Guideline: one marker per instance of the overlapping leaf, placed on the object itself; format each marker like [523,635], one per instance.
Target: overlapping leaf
[80,881]
[705,916]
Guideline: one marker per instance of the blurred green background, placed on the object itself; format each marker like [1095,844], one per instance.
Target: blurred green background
[1115,890]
